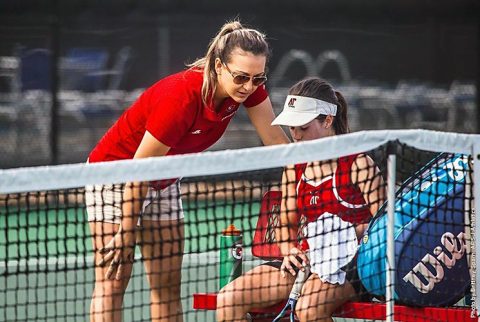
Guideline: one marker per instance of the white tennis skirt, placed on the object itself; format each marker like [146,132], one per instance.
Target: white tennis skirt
[104,203]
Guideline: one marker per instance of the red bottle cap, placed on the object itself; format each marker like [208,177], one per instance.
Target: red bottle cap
[231,231]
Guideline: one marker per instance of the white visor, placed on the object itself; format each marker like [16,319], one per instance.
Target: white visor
[300,110]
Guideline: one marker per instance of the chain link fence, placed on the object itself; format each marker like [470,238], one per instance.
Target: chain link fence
[398,71]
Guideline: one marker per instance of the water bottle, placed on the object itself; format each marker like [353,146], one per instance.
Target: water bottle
[230,255]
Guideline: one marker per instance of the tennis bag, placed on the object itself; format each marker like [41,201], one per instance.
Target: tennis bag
[431,239]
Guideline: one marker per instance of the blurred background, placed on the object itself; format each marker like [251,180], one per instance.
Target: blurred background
[69,68]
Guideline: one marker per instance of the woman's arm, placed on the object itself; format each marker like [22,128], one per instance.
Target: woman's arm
[289,224]
[136,191]
[121,248]
[366,175]
[261,117]
[288,212]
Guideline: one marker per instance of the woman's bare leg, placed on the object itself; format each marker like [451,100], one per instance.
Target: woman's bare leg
[319,300]
[162,250]
[107,298]
[263,286]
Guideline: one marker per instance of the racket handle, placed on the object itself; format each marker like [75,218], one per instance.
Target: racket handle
[299,281]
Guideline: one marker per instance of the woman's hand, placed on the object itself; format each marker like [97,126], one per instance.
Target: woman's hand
[119,251]
[295,257]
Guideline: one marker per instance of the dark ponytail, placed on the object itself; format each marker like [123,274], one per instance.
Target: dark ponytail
[340,124]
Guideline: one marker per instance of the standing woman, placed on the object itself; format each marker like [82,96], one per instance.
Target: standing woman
[336,197]
[183,113]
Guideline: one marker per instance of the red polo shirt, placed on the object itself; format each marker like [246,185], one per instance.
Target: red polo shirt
[173,112]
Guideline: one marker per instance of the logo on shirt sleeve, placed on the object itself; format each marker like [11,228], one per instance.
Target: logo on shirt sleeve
[197,132]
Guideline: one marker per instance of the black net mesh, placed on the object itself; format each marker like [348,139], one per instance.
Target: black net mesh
[61,257]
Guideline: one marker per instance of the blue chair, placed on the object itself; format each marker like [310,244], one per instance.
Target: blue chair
[35,69]
[80,69]
[113,77]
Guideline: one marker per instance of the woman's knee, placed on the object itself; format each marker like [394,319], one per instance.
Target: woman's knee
[107,286]
[168,279]
[110,288]
[165,286]
[225,298]
[231,305]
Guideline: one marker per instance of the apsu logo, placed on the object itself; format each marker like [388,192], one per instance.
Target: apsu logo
[291,102]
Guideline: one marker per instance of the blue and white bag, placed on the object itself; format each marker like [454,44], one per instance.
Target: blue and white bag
[432,246]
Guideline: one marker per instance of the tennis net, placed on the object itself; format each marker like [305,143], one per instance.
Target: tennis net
[48,217]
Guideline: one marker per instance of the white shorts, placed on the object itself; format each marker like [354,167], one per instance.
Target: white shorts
[104,203]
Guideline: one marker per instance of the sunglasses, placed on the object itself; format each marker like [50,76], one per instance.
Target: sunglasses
[241,79]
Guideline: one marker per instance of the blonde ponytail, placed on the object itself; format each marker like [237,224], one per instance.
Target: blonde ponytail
[231,35]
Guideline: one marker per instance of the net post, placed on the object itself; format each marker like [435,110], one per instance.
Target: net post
[476,240]
[390,278]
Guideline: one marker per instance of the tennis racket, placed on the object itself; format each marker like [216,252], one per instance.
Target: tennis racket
[294,295]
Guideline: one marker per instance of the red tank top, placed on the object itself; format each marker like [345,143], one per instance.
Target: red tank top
[335,194]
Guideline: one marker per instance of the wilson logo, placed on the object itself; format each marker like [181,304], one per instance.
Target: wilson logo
[430,270]
[291,102]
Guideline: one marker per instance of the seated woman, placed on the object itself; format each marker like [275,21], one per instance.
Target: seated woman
[336,198]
